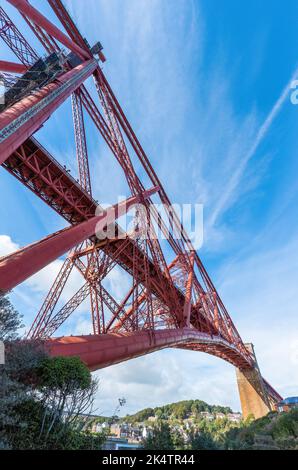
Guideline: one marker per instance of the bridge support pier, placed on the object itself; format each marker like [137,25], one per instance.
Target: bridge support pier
[253,395]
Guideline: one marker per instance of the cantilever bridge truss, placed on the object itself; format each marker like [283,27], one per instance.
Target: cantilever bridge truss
[168,304]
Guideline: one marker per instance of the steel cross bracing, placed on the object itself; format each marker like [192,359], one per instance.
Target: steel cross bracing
[15,40]
[114,135]
[165,297]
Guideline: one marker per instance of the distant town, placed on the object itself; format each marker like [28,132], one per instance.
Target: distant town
[131,431]
[184,419]
[123,434]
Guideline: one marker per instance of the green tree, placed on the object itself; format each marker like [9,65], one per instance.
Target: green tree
[16,383]
[62,437]
[50,417]
[63,374]
[142,415]
[159,438]
[10,320]
[41,398]
[67,391]
[274,430]
[202,441]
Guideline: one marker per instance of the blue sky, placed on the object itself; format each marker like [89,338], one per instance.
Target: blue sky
[205,85]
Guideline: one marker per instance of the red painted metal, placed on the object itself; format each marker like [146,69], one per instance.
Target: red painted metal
[15,40]
[98,351]
[21,120]
[50,302]
[166,306]
[41,173]
[12,67]
[188,290]
[28,10]
[68,23]
[20,265]
[45,39]
[81,144]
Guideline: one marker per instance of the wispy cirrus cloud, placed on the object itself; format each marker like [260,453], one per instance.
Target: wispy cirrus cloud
[229,194]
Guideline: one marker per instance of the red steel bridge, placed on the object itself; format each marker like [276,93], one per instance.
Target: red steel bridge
[168,304]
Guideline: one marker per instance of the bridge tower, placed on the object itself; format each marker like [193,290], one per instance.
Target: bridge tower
[254,397]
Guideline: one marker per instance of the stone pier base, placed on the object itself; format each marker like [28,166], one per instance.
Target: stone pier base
[253,396]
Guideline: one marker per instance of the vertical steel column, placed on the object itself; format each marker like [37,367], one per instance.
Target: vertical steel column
[188,290]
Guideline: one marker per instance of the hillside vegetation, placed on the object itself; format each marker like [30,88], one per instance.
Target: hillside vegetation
[180,410]
[274,431]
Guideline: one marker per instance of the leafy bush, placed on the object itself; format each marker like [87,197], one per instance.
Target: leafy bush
[279,431]
[41,397]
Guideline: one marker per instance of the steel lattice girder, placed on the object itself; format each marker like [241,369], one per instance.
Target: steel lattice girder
[39,171]
[115,104]
[201,322]
[18,266]
[42,174]
[28,10]
[21,120]
[15,40]
[115,108]
[92,109]
[24,173]
[51,299]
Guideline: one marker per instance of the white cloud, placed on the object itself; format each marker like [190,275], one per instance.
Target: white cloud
[260,292]
[31,293]
[228,195]
[7,246]
[42,281]
[83,326]
[164,377]
[118,282]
